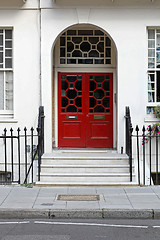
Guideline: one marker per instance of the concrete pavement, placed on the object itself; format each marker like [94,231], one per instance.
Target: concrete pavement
[113,202]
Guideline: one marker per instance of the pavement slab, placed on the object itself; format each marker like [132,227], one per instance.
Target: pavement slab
[42,201]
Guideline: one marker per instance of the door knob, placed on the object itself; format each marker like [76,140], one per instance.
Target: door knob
[87,115]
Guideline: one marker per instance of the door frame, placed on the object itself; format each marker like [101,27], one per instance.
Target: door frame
[84,70]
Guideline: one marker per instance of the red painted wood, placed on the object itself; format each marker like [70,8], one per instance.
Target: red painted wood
[85,130]
[71,132]
[99,132]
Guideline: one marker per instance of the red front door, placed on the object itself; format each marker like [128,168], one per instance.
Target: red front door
[85,110]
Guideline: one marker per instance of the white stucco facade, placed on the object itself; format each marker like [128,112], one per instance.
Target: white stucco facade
[128,29]
[37,26]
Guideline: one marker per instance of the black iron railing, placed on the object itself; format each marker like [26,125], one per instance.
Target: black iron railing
[20,148]
[146,150]
[148,143]
[129,131]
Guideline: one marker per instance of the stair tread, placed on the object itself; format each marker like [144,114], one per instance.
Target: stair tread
[86,174]
[87,183]
[85,166]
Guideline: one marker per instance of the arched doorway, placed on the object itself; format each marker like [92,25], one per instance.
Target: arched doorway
[84,109]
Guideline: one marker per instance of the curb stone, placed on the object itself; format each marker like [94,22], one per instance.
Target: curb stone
[157,214]
[23,213]
[87,214]
[79,214]
[129,214]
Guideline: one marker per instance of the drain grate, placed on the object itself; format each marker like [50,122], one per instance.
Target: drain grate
[47,204]
[78,198]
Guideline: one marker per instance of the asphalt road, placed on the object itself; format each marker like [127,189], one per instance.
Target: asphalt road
[79,229]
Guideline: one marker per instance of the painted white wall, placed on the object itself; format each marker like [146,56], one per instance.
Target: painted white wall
[26,67]
[127,27]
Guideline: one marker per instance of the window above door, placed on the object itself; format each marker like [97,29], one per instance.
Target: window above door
[86,47]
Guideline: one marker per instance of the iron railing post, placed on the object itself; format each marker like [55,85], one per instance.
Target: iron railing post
[150,152]
[137,130]
[11,130]
[19,156]
[40,131]
[130,150]
[5,153]
[25,144]
[144,138]
[156,155]
[32,151]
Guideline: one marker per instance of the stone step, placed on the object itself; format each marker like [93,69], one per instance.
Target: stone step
[85,184]
[84,161]
[83,154]
[85,168]
[85,177]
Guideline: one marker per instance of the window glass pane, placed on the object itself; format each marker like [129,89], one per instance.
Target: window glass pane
[8,34]
[62,61]
[71,32]
[150,96]
[85,32]
[1,57]
[150,110]
[151,34]
[108,52]
[98,32]
[9,91]
[158,86]
[8,62]
[151,43]
[158,42]
[108,42]
[85,47]
[1,90]
[1,40]
[108,61]
[151,63]
[62,52]
[151,77]
[62,41]
[158,58]
[151,53]
[8,53]
[99,61]
[8,44]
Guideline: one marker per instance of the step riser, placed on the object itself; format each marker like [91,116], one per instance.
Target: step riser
[84,179]
[84,170]
[89,184]
[84,161]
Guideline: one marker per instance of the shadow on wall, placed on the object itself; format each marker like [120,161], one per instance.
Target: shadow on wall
[12,3]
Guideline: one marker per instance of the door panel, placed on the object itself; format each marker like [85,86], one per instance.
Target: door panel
[99,120]
[71,117]
[85,110]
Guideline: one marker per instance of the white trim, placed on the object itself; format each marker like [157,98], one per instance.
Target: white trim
[85,70]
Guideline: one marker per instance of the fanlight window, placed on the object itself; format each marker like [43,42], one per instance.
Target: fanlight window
[85,47]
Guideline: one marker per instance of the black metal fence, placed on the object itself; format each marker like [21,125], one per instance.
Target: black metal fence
[129,131]
[146,150]
[19,150]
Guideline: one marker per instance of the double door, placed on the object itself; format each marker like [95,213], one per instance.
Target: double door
[85,110]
